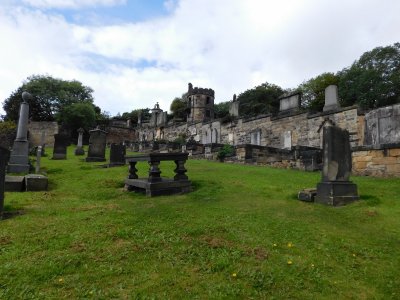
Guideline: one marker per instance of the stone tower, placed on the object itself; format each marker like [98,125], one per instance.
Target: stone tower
[200,104]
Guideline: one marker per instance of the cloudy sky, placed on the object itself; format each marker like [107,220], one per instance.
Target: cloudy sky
[136,52]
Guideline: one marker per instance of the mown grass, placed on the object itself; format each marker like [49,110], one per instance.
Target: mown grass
[234,236]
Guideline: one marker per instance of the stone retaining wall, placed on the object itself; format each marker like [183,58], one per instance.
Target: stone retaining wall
[384,162]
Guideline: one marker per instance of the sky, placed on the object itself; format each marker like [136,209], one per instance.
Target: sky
[134,53]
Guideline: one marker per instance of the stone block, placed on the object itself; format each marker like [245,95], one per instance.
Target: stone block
[394,152]
[14,183]
[336,193]
[36,182]
[307,195]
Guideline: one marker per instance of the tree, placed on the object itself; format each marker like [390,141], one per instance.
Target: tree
[134,115]
[221,110]
[77,115]
[178,108]
[261,99]
[50,96]
[313,90]
[373,80]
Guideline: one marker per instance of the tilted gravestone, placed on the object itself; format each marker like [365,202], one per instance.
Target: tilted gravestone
[335,188]
[97,145]
[4,154]
[117,155]
[19,160]
[61,142]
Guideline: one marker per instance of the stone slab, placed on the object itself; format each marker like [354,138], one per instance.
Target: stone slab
[14,183]
[36,182]
[163,187]
[307,195]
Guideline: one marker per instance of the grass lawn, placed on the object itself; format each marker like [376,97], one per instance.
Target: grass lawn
[240,234]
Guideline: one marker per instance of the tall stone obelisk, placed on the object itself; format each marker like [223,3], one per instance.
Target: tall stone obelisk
[19,160]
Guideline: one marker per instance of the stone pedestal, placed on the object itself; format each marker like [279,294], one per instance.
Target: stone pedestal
[19,160]
[331,98]
[336,193]
[36,182]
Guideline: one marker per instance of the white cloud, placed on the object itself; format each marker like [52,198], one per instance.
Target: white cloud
[71,4]
[229,46]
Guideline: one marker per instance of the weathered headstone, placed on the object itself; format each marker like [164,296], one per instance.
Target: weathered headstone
[79,147]
[38,157]
[97,145]
[36,182]
[234,107]
[19,160]
[4,154]
[117,155]
[61,141]
[289,104]
[331,98]
[335,188]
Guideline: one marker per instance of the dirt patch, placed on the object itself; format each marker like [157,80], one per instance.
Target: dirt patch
[5,240]
[78,247]
[258,253]
[215,242]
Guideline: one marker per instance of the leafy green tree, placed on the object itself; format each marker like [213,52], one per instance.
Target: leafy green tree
[50,96]
[77,115]
[179,108]
[221,110]
[8,131]
[134,115]
[373,80]
[313,90]
[261,99]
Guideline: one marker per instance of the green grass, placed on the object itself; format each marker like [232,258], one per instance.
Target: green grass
[88,238]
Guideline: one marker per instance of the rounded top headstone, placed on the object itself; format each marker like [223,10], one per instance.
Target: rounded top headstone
[26,96]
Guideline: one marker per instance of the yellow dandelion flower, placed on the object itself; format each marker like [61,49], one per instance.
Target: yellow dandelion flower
[290,245]
[234,275]
[289,262]
[312,265]
[354,254]
[61,280]
[274,245]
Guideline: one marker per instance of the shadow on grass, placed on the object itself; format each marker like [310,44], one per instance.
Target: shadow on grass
[11,212]
[205,190]
[370,200]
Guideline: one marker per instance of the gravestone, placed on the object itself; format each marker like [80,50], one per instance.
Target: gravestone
[19,160]
[117,155]
[61,141]
[234,107]
[97,145]
[43,143]
[4,154]
[335,188]
[79,147]
[331,98]
[289,104]
[38,157]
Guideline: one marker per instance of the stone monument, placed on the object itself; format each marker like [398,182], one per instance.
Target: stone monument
[4,154]
[97,145]
[331,98]
[61,141]
[117,155]
[79,147]
[234,107]
[335,188]
[19,161]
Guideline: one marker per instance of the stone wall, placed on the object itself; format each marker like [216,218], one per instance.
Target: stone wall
[383,162]
[121,134]
[35,133]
